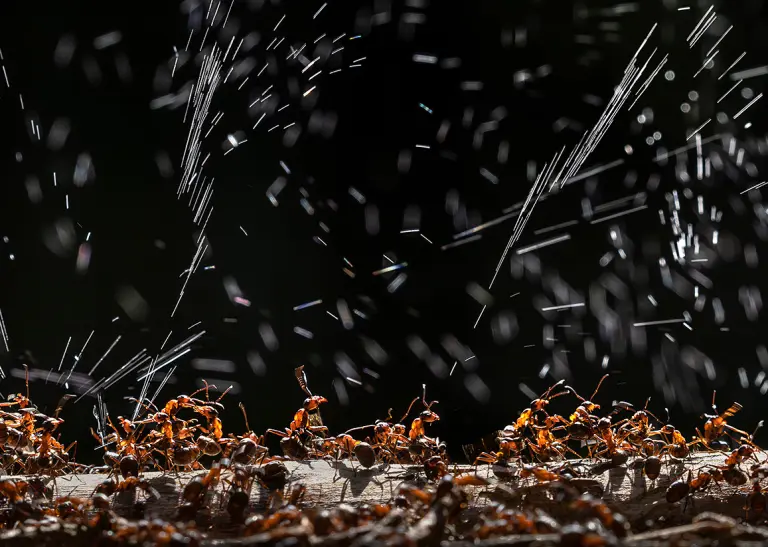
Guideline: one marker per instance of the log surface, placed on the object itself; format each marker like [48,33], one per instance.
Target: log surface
[329,484]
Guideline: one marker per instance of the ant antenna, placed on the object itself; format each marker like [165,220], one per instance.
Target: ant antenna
[622,405]
[424,398]
[652,415]
[302,378]
[61,404]
[667,411]
[204,388]
[26,377]
[359,428]
[579,397]
[714,406]
[389,415]
[191,395]
[409,410]
[224,393]
[549,389]
[759,425]
[242,407]
[131,399]
[598,386]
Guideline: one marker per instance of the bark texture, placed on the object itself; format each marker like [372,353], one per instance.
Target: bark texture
[625,489]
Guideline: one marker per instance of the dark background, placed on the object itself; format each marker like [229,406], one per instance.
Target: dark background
[144,238]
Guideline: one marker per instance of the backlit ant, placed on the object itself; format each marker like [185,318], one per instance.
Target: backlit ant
[311,403]
[716,425]
[584,411]
[306,419]
[194,493]
[537,405]
[426,417]
[581,424]
[247,447]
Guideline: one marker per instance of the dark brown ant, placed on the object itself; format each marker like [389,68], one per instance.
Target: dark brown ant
[110,487]
[756,502]
[679,489]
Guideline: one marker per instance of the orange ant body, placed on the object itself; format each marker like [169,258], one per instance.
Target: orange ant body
[417,430]
[312,403]
[538,405]
[716,425]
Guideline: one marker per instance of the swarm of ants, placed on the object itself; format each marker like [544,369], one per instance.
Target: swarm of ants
[539,449]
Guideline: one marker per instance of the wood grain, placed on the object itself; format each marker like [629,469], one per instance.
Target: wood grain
[329,484]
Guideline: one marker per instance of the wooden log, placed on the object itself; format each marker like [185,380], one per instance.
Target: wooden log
[330,483]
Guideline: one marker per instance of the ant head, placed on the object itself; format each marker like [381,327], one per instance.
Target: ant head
[429,416]
[51,424]
[590,407]
[312,403]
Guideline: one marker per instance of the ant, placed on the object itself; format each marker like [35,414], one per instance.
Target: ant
[312,402]
[110,487]
[14,491]
[614,522]
[508,448]
[638,426]
[685,488]
[615,447]
[755,502]
[546,446]
[716,425]
[306,419]
[587,407]
[246,447]
[675,443]
[195,491]
[541,474]
[538,405]
[238,494]
[208,410]
[581,424]
[427,416]
[18,398]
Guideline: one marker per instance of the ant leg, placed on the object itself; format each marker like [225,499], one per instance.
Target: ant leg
[739,431]
[685,505]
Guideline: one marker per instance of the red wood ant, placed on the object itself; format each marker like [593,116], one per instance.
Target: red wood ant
[716,425]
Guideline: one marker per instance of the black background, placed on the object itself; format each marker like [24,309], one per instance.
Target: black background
[129,206]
